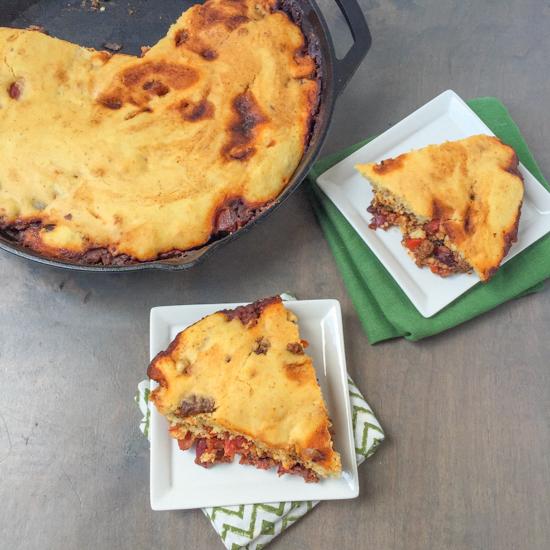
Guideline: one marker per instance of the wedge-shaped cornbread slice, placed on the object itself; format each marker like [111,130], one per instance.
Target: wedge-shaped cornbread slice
[458,204]
[239,382]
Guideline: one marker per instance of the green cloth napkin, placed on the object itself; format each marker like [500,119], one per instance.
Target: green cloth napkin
[383,308]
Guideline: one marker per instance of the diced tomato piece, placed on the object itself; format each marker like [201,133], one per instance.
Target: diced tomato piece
[230,447]
[215,444]
[240,442]
[201,448]
[186,442]
[413,244]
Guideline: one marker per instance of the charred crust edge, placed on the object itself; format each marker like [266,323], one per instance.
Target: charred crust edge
[153,371]
[233,214]
[511,236]
[248,315]
[509,239]
[26,233]
[312,47]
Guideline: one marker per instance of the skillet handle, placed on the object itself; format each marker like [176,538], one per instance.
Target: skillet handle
[345,68]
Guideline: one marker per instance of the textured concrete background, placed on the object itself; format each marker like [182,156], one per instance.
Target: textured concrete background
[466,463]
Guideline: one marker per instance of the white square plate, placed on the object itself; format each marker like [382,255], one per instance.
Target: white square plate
[445,118]
[178,483]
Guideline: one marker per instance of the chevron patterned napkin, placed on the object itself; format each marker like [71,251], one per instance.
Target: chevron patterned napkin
[253,526]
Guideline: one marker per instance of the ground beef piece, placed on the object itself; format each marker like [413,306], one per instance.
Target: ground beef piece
[262,463]
[223,448]
[195,404]
[309,475]
[424,250]
[296,348]
[249,314]
[461,265]
[432,227]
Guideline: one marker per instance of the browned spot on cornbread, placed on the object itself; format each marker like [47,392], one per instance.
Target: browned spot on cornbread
[249,314]
[195,404]
[297,372]
[389,165]
[244,127]
[195,111]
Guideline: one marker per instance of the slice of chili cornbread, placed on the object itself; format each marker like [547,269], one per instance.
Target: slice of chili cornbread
[458,204]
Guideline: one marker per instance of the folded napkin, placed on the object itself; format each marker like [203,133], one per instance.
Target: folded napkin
[253,526]
[383,308]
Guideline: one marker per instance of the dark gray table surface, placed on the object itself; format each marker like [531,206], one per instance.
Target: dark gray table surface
[466,464]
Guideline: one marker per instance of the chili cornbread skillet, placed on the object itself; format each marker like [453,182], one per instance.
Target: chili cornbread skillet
[136,85]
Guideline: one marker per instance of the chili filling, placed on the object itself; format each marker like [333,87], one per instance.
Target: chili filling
[223,448]
[426,242]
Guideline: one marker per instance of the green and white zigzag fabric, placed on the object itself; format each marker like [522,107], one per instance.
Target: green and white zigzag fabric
[253,526]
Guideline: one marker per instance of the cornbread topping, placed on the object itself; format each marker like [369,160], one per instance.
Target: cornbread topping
[110,158]
[238,382]
[457,204]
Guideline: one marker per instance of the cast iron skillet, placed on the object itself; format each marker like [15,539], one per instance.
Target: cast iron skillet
[134,23]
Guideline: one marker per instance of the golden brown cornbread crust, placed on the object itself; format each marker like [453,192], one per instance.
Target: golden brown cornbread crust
[472,186]
[244,372]
[113,158]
